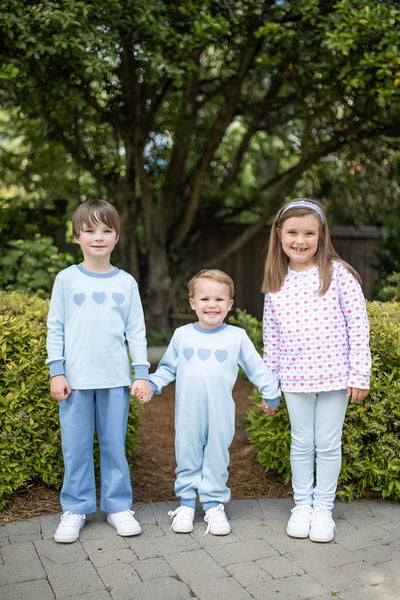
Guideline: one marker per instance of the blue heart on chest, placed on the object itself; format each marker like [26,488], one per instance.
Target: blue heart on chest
[118,298]
[79,299]
[221,355]
[99,297]
[203,353]
[188,353]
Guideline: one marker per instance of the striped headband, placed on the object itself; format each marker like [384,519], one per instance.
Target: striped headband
[305,204]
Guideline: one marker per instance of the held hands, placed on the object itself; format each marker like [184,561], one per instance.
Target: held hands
[142,389]
[59,388]
[268,410]
[356,394]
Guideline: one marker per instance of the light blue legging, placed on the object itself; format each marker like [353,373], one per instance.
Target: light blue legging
[105,410]
[316,422]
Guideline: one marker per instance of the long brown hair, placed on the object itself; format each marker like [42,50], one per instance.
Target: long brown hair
[276,264]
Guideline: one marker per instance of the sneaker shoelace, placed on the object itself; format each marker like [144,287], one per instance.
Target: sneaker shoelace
[70,519]
[301,513]
[324,517]
[214,514]
[181,510]
[124,515]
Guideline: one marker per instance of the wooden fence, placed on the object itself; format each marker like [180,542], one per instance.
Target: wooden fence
[357,246]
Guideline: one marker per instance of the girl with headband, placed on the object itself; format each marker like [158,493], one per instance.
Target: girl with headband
[316,342]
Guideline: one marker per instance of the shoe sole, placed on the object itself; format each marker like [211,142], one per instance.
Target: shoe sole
[66,541]
[220,532]
[122,533]
[296,535]
[320,540]
[182,529]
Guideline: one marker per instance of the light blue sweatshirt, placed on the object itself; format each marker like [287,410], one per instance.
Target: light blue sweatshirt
[92,320]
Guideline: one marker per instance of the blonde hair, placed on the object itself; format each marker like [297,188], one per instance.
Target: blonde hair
[215,275]
[95,211]
[276,264]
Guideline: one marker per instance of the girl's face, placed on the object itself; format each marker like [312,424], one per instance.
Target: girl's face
[299,237]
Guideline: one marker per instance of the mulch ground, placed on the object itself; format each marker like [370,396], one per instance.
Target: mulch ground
[154,465]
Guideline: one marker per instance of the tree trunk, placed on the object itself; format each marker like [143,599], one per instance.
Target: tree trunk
[126,207]
[157,291]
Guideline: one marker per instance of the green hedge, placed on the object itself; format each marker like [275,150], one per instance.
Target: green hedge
[371,433]
[30,447]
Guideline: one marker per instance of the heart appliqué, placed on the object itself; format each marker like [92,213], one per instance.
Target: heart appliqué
[221,355]
[118,298]
[99,297]
[203,353]
[188,353]
[79,299]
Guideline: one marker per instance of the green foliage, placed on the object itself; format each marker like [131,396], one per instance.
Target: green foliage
[253,327]
[160,337]
[371,435]
[30,447]
[371,432]
[238,102]
[31,265]
[391,288]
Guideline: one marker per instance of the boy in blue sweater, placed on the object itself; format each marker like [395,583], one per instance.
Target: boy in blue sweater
[204,359]
[95,311]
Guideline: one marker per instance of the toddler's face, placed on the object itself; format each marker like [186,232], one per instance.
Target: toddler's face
[211,301]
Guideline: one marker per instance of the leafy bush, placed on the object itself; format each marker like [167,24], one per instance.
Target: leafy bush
[371,433]
[30,447]
[391,288]
[31,265]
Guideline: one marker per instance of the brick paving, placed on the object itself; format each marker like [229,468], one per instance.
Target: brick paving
[257,561]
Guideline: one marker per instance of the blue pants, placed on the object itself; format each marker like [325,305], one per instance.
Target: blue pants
[84,410]
[316,422]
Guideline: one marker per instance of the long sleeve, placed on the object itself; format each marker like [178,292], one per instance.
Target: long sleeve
[352,303]
[257,371]
[136,335]
[271,337]
[167,367]
[55,342]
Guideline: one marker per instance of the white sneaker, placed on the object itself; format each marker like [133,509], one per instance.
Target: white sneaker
[124,522]
[182,519]
[300,521]
[217,522]
[322,525]
[69,527]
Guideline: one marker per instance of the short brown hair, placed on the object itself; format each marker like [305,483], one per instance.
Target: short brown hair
[214,274]
[95,211]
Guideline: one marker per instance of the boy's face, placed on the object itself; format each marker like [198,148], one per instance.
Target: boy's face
[211,301]
[97,241]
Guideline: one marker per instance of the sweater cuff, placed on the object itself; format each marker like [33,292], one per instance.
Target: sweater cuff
[141,371]
[154,387]
[272,403]
[56,368]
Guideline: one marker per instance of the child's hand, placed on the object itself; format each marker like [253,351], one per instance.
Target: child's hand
[142,389]
[356,394]
[59,388]
[268,410]
[137,392]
